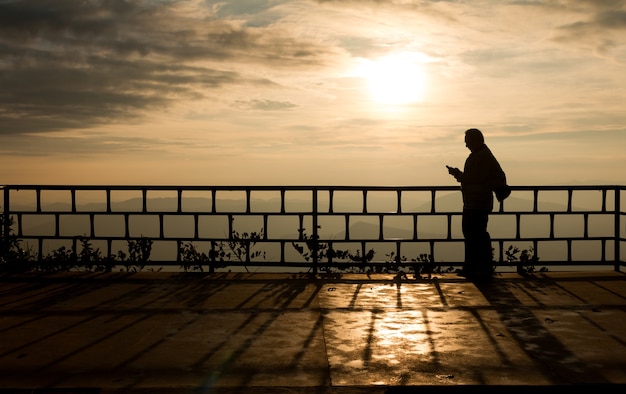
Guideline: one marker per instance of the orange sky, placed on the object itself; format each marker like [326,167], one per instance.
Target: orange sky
[310,92]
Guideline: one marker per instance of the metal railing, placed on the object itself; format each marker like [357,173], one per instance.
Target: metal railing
[292,224]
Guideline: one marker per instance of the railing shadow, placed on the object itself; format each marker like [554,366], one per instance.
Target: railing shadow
[117,328]
[447,330]
[554,358]
[234,329]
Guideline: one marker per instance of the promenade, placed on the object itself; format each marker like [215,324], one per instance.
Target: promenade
[295,333]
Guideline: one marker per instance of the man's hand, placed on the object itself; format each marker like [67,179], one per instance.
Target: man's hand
[455,172]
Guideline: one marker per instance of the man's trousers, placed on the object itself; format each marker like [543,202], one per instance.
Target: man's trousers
[478,252]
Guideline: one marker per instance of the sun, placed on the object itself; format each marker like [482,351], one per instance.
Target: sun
[396,79]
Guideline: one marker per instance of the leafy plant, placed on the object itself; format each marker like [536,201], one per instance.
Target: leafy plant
[242,246]
[352,261]
[67,259]
[16,258]
[92,259]
[422,264]
[313,250]
[13,257]
[239,248]
[60,259]
[138,254]
[425,265]
[191,258]
[525,262]
[393,263]
[219,256]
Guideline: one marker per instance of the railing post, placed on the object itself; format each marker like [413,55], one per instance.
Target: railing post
[6,228]
[315,232]
[618,238]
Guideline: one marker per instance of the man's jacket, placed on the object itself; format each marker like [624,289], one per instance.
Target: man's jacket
[481,176]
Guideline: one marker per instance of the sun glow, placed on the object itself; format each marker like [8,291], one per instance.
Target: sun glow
[395,79]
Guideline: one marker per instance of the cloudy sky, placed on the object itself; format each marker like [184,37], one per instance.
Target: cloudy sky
[304,92]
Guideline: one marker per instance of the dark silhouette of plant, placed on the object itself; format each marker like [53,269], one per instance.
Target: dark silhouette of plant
[242,245]
[88,259]
[356,257]
[394,263]
[13,257]
[239,248]
[525,262]
[88,255]
[422,264]
[92,259]
[138,254]
[313,250]
[425,265]
[219,256]
[60,259]
[191,258]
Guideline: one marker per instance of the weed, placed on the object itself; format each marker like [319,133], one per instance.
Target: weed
[242,246]
[425,265]
[60,259]
[191,258]
[92,259]
[138,254]
[525,262]
[313,250]
[239,248]
[422,264]
[13,257]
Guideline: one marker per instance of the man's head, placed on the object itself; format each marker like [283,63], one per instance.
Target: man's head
[474,139]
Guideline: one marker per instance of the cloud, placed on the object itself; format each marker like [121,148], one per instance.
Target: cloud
[270,72]
[68,64]
[600,29]
[263,105]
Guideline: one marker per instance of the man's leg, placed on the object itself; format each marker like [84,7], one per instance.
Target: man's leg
[486,260]
[471,232]
[477,243]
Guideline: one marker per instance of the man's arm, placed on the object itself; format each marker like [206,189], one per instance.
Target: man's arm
[456,173]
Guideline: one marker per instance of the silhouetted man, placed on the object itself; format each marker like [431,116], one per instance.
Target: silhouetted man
[480,178]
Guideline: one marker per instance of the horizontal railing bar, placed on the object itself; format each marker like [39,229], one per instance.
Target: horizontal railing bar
[228,188]
[320,240]
[296,213]
[296,187]
[335,263]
